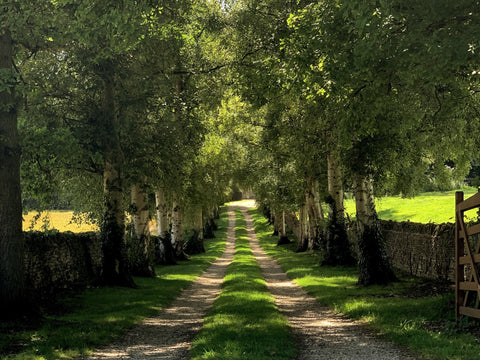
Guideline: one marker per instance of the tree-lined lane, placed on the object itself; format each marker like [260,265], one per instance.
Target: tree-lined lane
[320,333]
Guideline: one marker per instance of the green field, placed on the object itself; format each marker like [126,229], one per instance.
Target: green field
[436,207]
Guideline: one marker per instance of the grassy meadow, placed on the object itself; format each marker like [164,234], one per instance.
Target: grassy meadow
[55,219]
[436,207]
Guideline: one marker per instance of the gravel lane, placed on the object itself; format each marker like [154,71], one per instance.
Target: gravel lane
[319,332]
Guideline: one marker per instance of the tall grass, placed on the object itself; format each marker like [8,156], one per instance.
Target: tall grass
[244,322]
[424,324]
[97,316]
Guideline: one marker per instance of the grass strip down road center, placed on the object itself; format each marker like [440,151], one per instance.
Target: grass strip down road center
[244,322]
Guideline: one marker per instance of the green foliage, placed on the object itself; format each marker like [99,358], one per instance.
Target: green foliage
[98,316]
[244,322]
[420,322]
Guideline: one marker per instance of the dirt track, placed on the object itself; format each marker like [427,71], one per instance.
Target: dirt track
[320,334]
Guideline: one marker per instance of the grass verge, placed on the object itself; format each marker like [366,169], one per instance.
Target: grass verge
[424,324]
[97,316]
[244,322]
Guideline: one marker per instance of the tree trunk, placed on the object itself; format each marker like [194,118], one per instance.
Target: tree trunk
[140,246]
[337,250]
[282,233]
[275,219]
[177,229]
[303,238]
[210,226]
[13,295]
[115,263]
[165,254]
[199,226]
[162,213]
[195,243]
[315,214]
[292,222]
[373,262]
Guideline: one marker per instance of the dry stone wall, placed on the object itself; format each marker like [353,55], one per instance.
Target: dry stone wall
[423,250]
[56,261]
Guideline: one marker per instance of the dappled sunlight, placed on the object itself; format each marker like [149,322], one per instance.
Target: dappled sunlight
[168,335]
[321,332]
[98,315]
[311,280]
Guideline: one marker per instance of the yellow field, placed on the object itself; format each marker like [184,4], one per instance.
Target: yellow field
[59,220]
[62,221]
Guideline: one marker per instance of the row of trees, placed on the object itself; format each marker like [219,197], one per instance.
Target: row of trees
[169,102]
[370,96]
[110,102]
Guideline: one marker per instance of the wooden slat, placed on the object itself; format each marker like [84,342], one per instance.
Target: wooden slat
[468,285]
[469,311]
[471,230]
[464,260]
[470,203]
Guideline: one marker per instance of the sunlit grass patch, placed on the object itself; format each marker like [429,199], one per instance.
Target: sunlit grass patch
[436,207]
[425,324]
[99,315]
[244,322]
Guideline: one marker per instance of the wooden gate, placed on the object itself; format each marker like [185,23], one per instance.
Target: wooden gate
[467,254]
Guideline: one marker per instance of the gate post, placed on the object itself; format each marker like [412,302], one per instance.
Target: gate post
[459,252]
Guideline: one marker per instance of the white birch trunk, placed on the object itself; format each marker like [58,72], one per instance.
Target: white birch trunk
[335,185]
[177,227]
[199,223]
[374,266]
[303,239]
[162,213]
[282,229]
[140,250]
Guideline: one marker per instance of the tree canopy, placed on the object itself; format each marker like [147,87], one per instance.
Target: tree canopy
[298,101]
